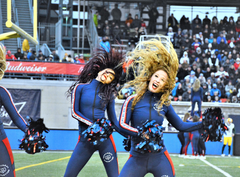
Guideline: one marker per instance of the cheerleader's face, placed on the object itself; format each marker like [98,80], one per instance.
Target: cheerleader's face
[157,81]
[106,76]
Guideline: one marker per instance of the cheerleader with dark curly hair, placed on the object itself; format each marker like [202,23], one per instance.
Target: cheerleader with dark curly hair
[92,94]
[156,67]
[7,167]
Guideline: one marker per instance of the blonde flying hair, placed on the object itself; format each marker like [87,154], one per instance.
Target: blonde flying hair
[150,56]
[196,85]
[2,60]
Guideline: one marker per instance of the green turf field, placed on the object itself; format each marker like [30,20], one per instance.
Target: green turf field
[53,164]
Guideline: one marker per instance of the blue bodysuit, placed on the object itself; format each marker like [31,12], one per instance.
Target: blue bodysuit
[86,108]
[196,97]
[7,168]
[159,164]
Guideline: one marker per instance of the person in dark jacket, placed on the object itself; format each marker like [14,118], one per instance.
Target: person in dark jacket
[19,54]
[116,15]
[153,16]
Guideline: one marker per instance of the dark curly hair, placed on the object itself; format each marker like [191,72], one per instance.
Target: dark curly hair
[101,60]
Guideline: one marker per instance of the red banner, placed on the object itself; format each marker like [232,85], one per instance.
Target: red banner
[43,67]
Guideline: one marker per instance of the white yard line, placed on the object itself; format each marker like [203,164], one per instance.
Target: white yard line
[216,168]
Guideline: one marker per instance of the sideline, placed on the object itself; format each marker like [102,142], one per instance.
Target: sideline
[216,168]
[42,163]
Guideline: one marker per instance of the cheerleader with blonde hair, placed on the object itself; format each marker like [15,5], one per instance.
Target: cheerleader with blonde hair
[6,156]
[155,65]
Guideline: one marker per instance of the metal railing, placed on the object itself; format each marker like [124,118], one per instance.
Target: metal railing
[45,49]
[30,10]
[15,17]
[92,32]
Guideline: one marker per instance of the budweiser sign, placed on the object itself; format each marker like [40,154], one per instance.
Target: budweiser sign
[43,68]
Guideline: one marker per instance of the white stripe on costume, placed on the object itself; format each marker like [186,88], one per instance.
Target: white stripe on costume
[74,114]
[124,114]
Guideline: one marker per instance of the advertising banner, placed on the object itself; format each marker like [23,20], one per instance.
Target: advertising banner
[43,67]
[27,102]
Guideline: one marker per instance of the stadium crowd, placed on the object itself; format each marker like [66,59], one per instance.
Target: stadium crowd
[208,49]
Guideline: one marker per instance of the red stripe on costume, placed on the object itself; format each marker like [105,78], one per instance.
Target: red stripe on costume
[114,147]
[113,143]
[129,156]
[7,144]
[122,122]
[14,105]
[79,137]
[73,105]
[170,160]
[14,173]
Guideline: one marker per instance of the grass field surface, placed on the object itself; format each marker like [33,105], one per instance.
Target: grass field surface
[53,164]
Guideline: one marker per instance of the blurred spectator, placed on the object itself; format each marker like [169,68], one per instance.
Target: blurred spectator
[129,19]
[55,55]
[153,16]
[231,70]
[198,71]
[237,63]
[50,58]
[116,34]
[19,54]
[41,56]
[196,44]
[174,91]
[216,99]
[220,37]
[206,21]
[133,38]
[100,30]
[81,58]
[104,15]
[126,32]
[191,77]
[33,57]
[29,53]
[181,73]
[136,23]
[215,44]
[170,33]
[141,32]
[184,58]
[213,63]
[207,73]
[215,89]
[10,56]
[185,84]
[95,18]
[186,96]
[212,77]
[221,87]
[210,40]
[178,39]
[202,79]
[230,35]
[105,44]
[221,72]
[172,22]
[116,15]
[214,27]
[25,56]
[237,26]
[179,91]
[186,25]
[196,25]
[229,89]
[107,31]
